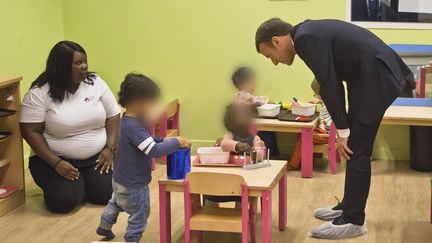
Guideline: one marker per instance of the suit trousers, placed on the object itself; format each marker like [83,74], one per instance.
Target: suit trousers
[358,170]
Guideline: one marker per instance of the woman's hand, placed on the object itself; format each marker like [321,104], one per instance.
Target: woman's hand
[105,161]
[67,170]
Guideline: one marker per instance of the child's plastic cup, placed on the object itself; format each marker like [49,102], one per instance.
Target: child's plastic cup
[178,164]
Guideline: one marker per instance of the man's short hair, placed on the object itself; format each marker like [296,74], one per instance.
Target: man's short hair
[270,28]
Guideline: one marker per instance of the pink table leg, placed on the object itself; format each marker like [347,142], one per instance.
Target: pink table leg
[283,202]
[307,152]
[164,214]
[266,217]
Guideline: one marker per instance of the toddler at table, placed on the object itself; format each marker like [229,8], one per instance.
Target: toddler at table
[322,128]
[238,141]
[244,79]
[135,150]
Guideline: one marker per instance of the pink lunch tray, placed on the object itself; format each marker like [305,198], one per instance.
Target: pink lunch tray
[197,162]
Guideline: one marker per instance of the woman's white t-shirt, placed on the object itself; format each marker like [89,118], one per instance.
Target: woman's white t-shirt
[75,127]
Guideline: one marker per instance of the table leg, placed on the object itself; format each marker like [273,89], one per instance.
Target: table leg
[307,152]
[164,214]
[331,149]
[266,217]
[283,202]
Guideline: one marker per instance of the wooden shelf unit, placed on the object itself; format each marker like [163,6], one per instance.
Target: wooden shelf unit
[11,149]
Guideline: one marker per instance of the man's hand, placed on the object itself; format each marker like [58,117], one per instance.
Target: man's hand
[342,147]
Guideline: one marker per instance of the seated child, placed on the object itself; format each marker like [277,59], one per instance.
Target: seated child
[135,150]
[238,140]
[244,79]
[322,128]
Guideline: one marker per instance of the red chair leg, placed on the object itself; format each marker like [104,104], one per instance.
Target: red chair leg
[200,236]
[252,220]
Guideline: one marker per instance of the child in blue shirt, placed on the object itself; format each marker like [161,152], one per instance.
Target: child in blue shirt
[135,150]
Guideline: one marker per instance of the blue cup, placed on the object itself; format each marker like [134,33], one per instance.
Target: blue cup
[178,164]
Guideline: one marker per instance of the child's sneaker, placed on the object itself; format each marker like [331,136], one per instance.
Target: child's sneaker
[108,234]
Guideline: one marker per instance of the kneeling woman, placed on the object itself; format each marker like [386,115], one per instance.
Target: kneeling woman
[70,119]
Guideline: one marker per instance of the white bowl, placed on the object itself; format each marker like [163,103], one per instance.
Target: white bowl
[213,155]
[269,110]
[304,110]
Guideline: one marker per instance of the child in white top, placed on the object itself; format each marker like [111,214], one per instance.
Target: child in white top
[244,80]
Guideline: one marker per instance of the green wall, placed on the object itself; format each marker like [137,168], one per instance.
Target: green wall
[28,30]
[189,46]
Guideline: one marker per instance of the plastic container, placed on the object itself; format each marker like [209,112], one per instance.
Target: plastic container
[303,110]
[213,155]
[269,110]
[178,164]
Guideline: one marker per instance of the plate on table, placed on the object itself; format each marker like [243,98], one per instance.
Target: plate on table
[289,116]
[197,162]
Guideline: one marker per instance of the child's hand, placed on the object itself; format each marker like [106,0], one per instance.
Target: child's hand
[243,147]
[184,142]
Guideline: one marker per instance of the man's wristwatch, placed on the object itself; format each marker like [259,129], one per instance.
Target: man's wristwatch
[110,147]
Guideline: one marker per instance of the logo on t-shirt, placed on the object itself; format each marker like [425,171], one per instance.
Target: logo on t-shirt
[88,99]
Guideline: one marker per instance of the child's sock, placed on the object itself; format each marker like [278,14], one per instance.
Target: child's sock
[106,233]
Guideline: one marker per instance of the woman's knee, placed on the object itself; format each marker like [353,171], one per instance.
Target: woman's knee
[63,196]
[63,202]
[99,188]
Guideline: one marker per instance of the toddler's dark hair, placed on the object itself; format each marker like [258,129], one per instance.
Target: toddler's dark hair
[241,75]
[230,113]
[229,116]
[137,86]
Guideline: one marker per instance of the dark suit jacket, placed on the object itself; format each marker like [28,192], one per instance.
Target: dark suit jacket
[338,51]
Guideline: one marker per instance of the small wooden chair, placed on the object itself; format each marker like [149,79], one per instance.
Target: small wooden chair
[201,218]
[169,122]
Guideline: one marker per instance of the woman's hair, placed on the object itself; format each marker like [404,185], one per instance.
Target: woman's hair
[58,71]
[241,75]
[137,86]
[315,87]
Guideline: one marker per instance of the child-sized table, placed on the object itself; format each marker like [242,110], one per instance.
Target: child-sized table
[260,181]
[305,128]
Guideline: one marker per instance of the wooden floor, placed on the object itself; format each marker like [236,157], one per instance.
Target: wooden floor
[397,211]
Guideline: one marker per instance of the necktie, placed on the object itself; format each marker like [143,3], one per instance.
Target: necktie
[374,10]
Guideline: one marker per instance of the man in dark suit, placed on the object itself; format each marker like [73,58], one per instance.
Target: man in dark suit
[336,51]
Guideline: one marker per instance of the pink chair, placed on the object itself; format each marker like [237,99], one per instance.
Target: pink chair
[202,218]
[169,122]
[330,148]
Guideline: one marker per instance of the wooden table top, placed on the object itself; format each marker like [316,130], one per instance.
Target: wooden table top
[257,179]
[408,115]
[275,125]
